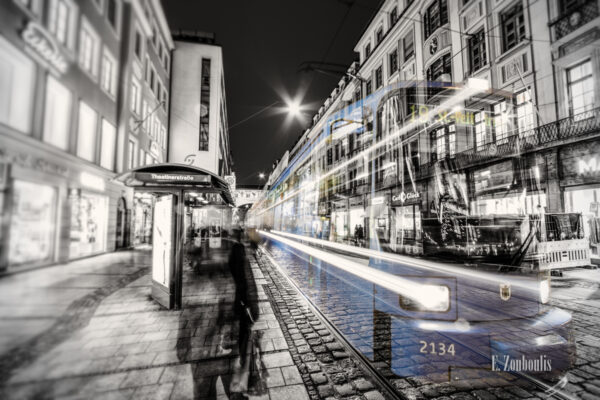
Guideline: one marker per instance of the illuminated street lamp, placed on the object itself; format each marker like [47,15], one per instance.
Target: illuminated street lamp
[294,108]
[261,175]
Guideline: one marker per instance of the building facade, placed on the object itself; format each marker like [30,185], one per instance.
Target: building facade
[528,146]
[143,107]
[199,128]
[62,141]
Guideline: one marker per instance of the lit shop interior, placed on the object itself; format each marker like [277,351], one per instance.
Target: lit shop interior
[33,223]
[89,216]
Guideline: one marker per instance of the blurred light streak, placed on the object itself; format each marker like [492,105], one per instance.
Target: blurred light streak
[425,294]
[415,263]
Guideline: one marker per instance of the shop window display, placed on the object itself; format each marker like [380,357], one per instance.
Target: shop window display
[89,213]
[586,201]
[33,223]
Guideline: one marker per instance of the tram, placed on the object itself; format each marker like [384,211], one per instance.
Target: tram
[409,178]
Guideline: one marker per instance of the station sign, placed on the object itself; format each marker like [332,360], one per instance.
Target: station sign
[164,178]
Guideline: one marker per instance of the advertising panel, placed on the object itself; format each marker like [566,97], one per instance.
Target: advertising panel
[162,240]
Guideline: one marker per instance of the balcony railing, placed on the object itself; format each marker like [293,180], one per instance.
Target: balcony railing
[582,12]
[562,129]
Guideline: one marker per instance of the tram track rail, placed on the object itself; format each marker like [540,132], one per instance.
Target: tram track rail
[551,391]
[382,382]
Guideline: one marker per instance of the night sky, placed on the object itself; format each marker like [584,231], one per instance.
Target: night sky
[264,43]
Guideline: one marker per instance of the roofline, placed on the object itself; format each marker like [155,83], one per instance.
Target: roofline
[139,11]
[366,28]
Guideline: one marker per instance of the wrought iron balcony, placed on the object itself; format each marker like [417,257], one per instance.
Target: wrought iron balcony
[573,127]
[579,14]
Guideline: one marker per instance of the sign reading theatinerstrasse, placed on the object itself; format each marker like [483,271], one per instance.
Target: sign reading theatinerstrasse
[167,178]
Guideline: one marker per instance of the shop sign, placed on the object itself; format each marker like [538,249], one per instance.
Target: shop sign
[590,166]
[28,161]
[377,200]
[581,162]
[230,179]
[340,206]
[166,178]
[44,46]
[324,209]
[356,201]
[406,197]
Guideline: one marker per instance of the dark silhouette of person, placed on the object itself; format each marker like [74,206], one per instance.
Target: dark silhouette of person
[237,266]
[360,234]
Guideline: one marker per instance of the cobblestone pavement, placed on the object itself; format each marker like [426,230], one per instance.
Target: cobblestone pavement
[350,307]
[327,368]
[89,329]
[578,291]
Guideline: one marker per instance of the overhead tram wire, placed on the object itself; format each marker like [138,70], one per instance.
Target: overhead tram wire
[348,4]
[255,114]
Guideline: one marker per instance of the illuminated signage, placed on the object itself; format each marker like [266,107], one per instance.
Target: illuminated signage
[44,46]
[164,178]
[406,196]
[377,200]
[590,166]
[581,163]
[161,240]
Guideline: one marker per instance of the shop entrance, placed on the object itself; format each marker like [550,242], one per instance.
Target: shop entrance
[191,213]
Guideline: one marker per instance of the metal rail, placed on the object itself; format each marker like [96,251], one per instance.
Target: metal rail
[383,383]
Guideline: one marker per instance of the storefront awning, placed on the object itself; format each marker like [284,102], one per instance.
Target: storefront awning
[181,176]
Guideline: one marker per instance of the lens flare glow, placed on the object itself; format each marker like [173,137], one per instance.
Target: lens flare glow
[294,108]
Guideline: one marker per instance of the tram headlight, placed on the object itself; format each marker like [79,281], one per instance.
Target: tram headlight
[544,290]
[432,298]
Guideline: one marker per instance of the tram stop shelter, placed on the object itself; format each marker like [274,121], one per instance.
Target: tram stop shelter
[178,190]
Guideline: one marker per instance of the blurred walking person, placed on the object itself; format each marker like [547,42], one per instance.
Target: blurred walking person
[245,309]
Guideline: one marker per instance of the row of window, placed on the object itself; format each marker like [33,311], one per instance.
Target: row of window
[138,158]
[96,60]
[159,46]
[155,84]
[153,126]
[436,15]
[87,129]
[505,118]
[93,132]
[379,34]
[62,16]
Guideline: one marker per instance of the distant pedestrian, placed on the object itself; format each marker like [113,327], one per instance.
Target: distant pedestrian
[361,234]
